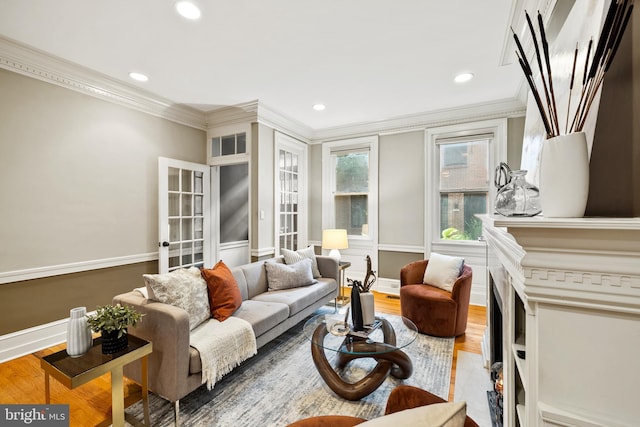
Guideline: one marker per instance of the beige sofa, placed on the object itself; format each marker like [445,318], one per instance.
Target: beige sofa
[175,367]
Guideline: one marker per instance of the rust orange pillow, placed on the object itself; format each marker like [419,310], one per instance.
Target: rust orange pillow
[224,294]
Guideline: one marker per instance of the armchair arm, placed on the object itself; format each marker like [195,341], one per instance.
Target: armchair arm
[167,327]
[413,273]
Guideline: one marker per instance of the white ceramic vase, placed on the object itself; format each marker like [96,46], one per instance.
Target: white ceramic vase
[564,176]
[368,309]
[79,339]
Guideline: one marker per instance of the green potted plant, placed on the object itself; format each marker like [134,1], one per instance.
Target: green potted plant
[112,322]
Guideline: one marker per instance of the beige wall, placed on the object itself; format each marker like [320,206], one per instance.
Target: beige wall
[515,136]
[315,192]
[80,183]
[401,189]
[262,187]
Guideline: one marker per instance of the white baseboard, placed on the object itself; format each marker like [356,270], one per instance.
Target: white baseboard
[27,341]
[387,286]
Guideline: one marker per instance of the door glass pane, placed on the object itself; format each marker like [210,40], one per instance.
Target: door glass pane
[186,205]
[187,253]
[186,180]
[174,255]
[198,232]
[234,203]
[197,178]
[174,204]
[174,179]
[198,206]
[174,229]
[187,228]
[198,252]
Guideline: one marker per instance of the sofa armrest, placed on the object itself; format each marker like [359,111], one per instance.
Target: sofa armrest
[167,327]
[328,267]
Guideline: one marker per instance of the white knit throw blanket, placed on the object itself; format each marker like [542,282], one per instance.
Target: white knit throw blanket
[222,346]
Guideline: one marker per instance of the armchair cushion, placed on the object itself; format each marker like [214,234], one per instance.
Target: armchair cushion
[442,271]
[448,414]
[224,295]
[182,288]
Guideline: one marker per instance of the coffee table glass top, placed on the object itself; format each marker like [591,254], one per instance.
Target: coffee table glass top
[336,338]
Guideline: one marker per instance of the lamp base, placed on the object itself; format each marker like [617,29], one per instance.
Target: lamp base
[335,254]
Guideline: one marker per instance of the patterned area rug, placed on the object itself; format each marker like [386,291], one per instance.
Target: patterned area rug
[281,385]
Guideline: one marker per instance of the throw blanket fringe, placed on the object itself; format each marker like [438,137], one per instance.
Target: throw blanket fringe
[222,346]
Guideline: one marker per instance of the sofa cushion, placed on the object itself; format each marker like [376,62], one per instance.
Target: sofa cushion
[449,414]
[300,298]
[262,315]
[224,294]
[181,288]
[442,271]
[291,257]
[283,276]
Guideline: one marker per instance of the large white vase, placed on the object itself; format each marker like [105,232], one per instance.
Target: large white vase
[79,339]
[564,176]
[368,308]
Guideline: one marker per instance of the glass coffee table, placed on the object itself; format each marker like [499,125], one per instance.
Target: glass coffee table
[383,342]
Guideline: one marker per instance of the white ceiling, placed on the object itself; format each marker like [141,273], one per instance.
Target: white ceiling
[367,60]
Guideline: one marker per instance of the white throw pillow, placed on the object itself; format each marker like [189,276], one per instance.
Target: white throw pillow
[442,271]
[449,414]
[291,257]
[283,276]
[184,288]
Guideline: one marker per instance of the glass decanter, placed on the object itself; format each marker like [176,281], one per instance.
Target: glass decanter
[518,197]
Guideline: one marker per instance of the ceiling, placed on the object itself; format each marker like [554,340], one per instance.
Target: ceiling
[367,60]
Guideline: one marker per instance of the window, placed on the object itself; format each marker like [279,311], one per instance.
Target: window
[229,145]
[351,191]
[463,187]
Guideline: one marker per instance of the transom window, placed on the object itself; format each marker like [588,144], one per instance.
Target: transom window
[229,145]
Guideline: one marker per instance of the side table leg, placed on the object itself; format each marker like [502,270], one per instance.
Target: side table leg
[117,397]
[145,390]
[47,391]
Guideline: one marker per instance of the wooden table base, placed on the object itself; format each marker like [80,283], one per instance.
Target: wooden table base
[395,362]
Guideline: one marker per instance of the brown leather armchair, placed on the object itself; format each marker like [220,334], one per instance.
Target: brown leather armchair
[435,311]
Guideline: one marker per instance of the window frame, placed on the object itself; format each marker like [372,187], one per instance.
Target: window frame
[458,133]
[369,143]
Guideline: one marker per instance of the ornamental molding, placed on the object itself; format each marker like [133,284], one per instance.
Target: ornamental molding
[30,62]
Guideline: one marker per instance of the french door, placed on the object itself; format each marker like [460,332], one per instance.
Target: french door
[184,214]
[291,195]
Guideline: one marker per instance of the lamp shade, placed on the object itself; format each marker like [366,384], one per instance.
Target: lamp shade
[335,239]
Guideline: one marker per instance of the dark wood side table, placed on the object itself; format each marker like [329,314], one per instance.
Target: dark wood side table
[75,371]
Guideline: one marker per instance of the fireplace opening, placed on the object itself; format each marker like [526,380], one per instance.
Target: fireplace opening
[494,396]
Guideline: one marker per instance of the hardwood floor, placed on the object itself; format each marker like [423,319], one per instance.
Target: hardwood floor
[22,379]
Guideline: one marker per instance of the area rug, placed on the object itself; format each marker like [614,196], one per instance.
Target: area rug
[281,385]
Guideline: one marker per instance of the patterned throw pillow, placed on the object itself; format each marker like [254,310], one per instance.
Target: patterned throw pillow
[224,295]
[291,257]
[284,276]
[183,288]
[442,271]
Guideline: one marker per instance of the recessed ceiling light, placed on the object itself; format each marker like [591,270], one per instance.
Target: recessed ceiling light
[319,107]
[463,77]
[138,76]
[188,10]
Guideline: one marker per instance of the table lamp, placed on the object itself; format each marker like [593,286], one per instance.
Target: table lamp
[335,239]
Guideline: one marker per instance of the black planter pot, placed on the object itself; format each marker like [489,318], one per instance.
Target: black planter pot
[112,344]
[356,310]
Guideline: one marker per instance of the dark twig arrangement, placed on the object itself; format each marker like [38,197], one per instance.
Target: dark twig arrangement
[616,21]
[369,279]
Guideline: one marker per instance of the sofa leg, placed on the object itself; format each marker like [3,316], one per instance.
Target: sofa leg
[176,412]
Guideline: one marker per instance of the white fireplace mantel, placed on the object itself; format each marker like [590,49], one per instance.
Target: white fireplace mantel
[571,299]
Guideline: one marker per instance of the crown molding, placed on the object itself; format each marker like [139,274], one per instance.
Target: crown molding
[449,116]
[31,62]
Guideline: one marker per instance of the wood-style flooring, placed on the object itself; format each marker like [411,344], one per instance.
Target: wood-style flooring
[22,379]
